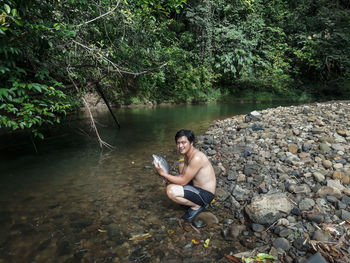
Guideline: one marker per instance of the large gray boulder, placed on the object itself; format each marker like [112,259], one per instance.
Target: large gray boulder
[266,209]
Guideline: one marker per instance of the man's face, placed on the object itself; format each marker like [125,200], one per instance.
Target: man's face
[183,144]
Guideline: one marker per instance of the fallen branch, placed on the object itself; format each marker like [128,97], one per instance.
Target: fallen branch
[195,229]
[101,142]
[99,90]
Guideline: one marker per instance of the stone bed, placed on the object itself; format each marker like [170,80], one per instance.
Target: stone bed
[286,171]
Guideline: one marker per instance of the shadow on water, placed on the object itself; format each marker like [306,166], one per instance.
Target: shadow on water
[72,202]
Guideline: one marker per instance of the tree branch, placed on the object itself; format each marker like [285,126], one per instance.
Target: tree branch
[117,68]
[96,18]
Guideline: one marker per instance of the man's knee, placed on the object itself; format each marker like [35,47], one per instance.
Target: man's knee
[174,191]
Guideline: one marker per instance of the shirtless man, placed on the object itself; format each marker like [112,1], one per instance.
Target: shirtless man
[196,184]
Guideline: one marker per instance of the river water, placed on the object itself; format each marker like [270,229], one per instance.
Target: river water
[64,199]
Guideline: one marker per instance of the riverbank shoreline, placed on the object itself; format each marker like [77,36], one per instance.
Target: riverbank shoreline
[284,173]
[96,103]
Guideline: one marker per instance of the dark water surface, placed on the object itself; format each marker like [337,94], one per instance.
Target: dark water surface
[68,201]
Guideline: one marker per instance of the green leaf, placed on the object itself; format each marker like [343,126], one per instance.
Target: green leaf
[4,92]
[3,29]
[18,22]
[7,8]
[14,12]
[265,256]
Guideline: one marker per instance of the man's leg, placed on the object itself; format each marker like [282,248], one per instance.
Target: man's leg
[176,193]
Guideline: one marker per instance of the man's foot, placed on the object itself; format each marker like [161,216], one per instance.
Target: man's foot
[191,214]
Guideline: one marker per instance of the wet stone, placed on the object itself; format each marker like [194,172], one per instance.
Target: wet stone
[63,247]
[138,255]
[81,223]
[44,244]
[228,221]
[79,254]
[23,228]
[232,232]
[106,221]
[113,231]
[5,216]
[144,206]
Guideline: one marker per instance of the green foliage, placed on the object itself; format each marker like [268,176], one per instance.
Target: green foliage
[167,51]
[29,96]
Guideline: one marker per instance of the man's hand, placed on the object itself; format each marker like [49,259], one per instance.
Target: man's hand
[158,168]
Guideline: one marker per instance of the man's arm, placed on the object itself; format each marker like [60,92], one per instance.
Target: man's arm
[187,175]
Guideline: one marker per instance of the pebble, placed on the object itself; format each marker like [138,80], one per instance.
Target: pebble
[346,199]
[345,215]
[285,232]
[306,204]
[319,235]
[317,218]
[298,163]
[327,164]
[281,243]
[258,228]
[319,177]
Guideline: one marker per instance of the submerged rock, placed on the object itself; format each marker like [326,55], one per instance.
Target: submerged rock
[204,219]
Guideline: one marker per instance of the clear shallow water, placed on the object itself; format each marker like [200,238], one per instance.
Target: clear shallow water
[58,202]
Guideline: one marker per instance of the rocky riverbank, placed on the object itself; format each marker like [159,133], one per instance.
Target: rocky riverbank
[284,174]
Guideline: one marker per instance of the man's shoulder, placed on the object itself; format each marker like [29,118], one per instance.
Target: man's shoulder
[201,157]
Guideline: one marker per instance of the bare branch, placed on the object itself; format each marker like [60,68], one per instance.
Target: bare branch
[96,18]
[93,125]
[117,68]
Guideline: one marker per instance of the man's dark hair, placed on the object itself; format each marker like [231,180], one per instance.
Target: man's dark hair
[188,133]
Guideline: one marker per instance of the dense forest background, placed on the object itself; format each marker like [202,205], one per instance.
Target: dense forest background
[153,51]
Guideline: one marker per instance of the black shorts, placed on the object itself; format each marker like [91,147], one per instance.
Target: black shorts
[198,195]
